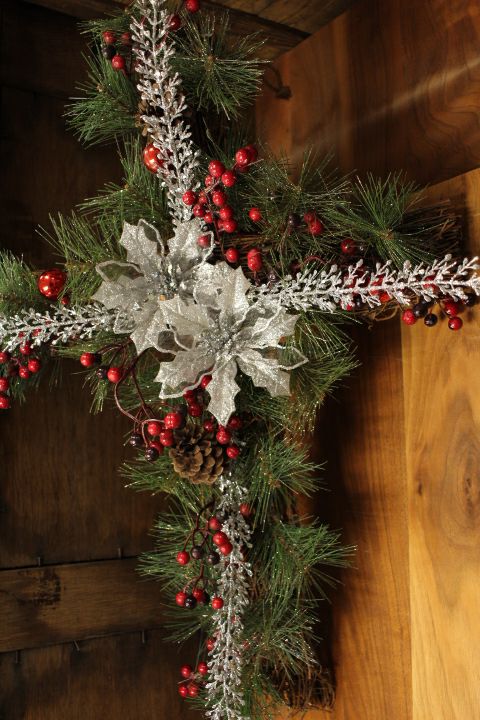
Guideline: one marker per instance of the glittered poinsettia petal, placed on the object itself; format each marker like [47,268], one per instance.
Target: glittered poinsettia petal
[222,389]
[142,243]
[184,318]
[182,371]
[265,372]
[184,249]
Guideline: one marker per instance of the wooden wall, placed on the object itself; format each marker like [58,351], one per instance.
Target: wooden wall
[80,632]
[391,85]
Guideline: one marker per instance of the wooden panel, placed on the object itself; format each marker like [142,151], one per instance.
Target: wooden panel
[61,603]
[442,391]
[304,15]
[278,37]
[387,85]
[110,678]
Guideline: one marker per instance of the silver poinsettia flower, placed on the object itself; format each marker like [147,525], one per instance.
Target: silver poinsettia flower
[223,331]
[154,272]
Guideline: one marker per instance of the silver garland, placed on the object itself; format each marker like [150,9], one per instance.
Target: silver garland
[56,326]
[161,88]
[224,690]
[329,289]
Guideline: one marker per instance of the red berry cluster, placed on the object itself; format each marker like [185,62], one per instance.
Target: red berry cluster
[205,545]
[192,680]
[17,368]
[117,49]
[447,307]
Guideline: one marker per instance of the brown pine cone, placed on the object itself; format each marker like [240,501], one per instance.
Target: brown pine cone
[197,457]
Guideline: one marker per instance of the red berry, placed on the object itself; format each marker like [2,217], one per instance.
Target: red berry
[223,436]
[384,297]
[192,6]
[199,594]
[316,227]
[209,425]
[183,690]
[189,197]
[255,214]
[166,438]
[205,381]
[4,384]
[232,255]
[209,218]
[108,37]
[235,423]
[193,689]
[220,539]
[4,356]
[202,668]
[216,169]
[348,246]
[88,359]
[229,178]
[219,198]
[242,157]
[209,181]
[214,524]
[204,241]
[65,300]
[118,62]
[126,38]
[114,374]
[186,671]
[173,420]
[175,23]
[254,260]
[226,549]
[190,396]
[24,372]
[156,446]
[217,603]
[151,158]
[451,308]
[245,510]
[226,213]
[195,410]
[26,349]
[4,402]
[408,317]
[202,198]
[180,598]
[210,644]
[455,323]
[230,226]
[252,151]
[233,451]
[198,211]
[309,217]
[51,283]
[183,558]
[154,428]
[34,365]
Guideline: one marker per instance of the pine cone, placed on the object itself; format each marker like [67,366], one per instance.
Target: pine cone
[197,457]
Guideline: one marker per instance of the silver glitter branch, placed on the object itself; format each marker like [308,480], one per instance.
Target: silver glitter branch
[224,690]
[161,88]
[56,327]
[332,288]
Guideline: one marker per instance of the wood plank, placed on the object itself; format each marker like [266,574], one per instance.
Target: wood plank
[442,391]
[303,15]
[110,678]
[63,603]
[387,86]
[278,37]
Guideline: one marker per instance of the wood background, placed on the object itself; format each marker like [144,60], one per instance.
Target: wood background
[385,85]
[391,85]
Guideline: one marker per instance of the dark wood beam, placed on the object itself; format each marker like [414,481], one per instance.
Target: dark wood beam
[63,603]
[278,38]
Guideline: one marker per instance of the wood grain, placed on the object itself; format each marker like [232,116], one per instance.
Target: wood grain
[304,14]
[442,431]
[62,603]
[108,678]
[387,85]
